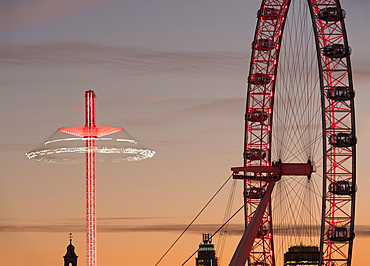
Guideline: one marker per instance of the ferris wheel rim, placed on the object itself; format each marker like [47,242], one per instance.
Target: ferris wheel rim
[267,79]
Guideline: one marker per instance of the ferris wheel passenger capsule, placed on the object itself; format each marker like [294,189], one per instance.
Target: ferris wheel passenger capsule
[255,154]
[254,192]
[340,234]
[343,140]
[340,93]
[255,115]
[262,231]
[269,13]
[260,263]
[337,50]
[259,79]
[331,14]
[263,45]
[342,188]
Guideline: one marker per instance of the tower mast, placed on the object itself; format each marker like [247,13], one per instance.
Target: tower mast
[90,117]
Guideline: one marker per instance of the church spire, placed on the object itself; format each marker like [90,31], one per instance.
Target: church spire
[70,258]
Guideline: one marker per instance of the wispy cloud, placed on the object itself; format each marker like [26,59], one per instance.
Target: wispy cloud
[195,229]
[127,218]
[155,99]
[233,229]
[100,59]
[225,106]
[19,147]
[88,72]
[14,14]
[136,60]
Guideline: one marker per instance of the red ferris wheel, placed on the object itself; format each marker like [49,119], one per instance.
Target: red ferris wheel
[299,169]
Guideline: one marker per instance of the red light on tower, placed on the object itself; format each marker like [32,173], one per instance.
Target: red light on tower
[90,179]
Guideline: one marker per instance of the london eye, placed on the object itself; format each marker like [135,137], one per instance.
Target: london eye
[299,171]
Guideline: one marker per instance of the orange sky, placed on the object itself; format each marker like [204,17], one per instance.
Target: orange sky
[171,73]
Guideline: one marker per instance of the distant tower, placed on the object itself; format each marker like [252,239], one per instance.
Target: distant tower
[70,259]
[302,256]
[206,252]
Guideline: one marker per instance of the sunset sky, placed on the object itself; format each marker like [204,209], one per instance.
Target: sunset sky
[172,73]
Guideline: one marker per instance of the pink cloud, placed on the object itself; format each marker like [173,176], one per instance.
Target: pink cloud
[133,59]
[77,108]
[89,72]
[157,98]
[14,15]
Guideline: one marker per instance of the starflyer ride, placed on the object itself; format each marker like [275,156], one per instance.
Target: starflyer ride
[299,170]
[92,144]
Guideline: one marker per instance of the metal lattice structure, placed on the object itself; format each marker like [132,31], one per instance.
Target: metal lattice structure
[334,166]
[69,143]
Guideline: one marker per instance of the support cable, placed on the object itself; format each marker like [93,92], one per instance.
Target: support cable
[222,238]
[191,223]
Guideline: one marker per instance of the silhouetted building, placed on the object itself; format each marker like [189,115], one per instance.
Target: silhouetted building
[302,256]
[206,252]
[70,259]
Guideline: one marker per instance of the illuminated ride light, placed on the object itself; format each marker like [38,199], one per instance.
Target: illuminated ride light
[131,153]
[90,143]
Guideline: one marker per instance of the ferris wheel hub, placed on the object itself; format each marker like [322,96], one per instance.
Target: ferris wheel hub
[273,172]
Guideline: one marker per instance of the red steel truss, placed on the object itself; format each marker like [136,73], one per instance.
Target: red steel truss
[338,127]
[339,120]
